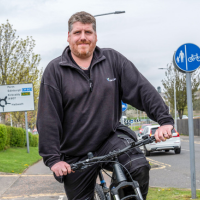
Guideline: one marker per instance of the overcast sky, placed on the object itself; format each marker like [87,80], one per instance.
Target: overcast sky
[147,34]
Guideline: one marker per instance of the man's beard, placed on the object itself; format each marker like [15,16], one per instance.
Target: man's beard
[83,53]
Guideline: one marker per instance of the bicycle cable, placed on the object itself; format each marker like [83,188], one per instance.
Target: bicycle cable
[115,162]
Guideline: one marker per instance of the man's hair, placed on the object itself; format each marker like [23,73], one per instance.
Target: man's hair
[82,17]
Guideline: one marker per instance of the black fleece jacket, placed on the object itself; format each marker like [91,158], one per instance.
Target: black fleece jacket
[76,114]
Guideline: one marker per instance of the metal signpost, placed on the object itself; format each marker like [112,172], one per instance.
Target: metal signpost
[15,98]
[131,123]
[187,59]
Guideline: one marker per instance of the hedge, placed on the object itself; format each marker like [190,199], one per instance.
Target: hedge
[15,137]
[3,136]
[33,140]
[9,131]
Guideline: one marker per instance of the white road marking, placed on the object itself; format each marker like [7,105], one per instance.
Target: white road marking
[196,142]
[61,197]
[185,150]
[35,196]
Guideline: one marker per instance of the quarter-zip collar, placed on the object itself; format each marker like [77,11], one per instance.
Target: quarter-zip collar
[66,61]
[97,57]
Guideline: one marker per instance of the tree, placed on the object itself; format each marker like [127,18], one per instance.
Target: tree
[18,63]
[180,85]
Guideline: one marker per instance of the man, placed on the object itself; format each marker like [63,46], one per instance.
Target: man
[80,108]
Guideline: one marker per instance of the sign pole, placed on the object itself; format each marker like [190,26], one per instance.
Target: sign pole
[191,135]
[27,136]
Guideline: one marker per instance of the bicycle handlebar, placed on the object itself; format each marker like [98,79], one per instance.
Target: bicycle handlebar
[81,165]
[89,162]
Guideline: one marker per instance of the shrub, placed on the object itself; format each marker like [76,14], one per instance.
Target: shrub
[17,137]
[35,140]
[30,136]
[9,132]
[21,137]
[13,137]
[3,136]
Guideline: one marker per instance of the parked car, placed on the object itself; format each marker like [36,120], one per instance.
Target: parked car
[173,143]
[142,127]
[184,117]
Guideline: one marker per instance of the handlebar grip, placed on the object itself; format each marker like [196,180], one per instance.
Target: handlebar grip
[153,138]
[73,166]
[60,179]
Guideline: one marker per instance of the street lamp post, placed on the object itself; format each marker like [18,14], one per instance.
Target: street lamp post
[175,125]
[116,12]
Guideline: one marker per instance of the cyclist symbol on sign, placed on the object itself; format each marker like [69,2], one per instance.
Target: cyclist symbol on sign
[193,57]
[181,56]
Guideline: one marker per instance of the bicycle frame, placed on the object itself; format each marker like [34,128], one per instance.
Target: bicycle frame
[119,179]
[118,183]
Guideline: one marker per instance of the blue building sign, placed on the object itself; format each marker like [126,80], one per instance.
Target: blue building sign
[124,106]
[187,57]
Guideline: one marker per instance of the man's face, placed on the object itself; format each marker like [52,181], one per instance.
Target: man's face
[82,40]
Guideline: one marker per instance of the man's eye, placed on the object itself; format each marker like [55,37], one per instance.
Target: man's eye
[77,32]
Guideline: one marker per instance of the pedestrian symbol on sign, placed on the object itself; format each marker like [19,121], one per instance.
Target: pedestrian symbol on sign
[181,56]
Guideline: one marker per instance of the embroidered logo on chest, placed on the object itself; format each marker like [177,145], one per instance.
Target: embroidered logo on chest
[113,79]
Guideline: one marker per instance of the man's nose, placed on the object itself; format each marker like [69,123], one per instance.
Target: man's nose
[83,37]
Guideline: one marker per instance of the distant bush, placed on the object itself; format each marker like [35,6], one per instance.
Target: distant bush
[30,139]
[3,136]
[21,137]
[15,137]
[9,132]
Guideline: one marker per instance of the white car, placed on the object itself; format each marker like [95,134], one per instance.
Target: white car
[173,143]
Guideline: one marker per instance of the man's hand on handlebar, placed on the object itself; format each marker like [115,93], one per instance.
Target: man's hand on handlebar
[163,132]
[61,168]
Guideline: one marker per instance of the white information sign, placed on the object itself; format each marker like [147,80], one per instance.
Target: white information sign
[15,98]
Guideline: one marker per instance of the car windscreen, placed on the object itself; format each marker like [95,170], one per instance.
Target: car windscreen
[143,126]
[153,130]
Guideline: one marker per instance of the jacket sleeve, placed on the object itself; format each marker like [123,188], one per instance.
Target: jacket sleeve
[49,119]
[138,92]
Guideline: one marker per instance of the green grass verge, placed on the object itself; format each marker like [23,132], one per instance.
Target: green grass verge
[170,193]
[134,128]
[16,160]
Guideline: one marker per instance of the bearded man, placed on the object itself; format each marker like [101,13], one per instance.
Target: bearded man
[80,108]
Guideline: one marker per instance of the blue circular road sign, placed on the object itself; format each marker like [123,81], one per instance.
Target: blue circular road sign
[124,106]
[187,57]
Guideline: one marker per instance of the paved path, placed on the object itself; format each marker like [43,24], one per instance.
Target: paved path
[38,182]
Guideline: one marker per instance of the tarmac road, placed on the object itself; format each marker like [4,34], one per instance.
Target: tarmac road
[175,168]
[38,182]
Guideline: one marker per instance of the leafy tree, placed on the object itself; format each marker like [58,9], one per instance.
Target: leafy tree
[196,104]
[18,64]
[180,85]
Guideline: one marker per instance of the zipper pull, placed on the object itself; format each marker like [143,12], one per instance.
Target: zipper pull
[91,85]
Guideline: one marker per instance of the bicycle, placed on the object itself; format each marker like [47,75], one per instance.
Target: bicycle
[193,57]
[119,181]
